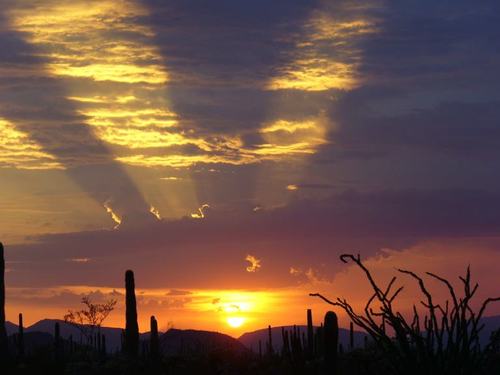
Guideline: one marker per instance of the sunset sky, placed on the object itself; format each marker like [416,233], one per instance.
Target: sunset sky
[228,151]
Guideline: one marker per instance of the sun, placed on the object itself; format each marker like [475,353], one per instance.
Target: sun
[235,321]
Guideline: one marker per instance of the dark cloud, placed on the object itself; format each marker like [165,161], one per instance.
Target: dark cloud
[443,45]
[209,252]
[426,112]
[221,56]
[456,129]
[315,186]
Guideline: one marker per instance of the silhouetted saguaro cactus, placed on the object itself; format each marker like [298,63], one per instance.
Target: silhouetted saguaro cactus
[131,326]
[331,333]
[319,342]
[297,356]
[3,331]
[270,349]
[286,343]
[310,334]
[122,341]
[103,345]
[20,338]
[154,343]
[351,336]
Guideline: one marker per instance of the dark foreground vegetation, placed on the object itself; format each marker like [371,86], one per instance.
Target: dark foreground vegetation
[437,339]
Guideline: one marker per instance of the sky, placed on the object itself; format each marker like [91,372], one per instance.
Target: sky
[229,151]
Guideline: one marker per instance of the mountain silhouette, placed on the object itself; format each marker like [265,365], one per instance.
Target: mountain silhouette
[113,335]
[11,328]
[179,342]
[193,342]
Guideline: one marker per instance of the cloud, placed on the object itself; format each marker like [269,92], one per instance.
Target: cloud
[176,292]
[454,129]
[254,263]
[79,260]
[201,212]
[155,212]
[36,104]
[188,253]
[114,216]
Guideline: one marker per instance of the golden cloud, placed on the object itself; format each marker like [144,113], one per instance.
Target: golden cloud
[18,151]
[254,263]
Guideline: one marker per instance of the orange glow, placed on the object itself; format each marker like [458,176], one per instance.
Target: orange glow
[233,312]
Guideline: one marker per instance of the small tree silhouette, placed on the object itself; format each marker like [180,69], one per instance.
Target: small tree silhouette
[90,319]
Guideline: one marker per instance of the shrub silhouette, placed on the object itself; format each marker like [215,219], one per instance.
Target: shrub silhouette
[445,340]
[90,318]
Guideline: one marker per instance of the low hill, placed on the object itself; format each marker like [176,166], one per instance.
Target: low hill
[189,341]
[11,328]
[491,323]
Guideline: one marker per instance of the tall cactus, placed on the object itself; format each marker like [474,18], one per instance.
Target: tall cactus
[286,343]
[270,349]
[3,331]
[103,345]
[310,334]
[131,326]
[20,342]
[351,336]
[154,343]
[331,334]
[297,352]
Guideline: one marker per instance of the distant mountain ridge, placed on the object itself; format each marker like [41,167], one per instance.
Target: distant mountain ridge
[176,341]
[113,335]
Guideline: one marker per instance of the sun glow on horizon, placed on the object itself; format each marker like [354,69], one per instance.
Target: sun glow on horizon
[232,312]
[235,321]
